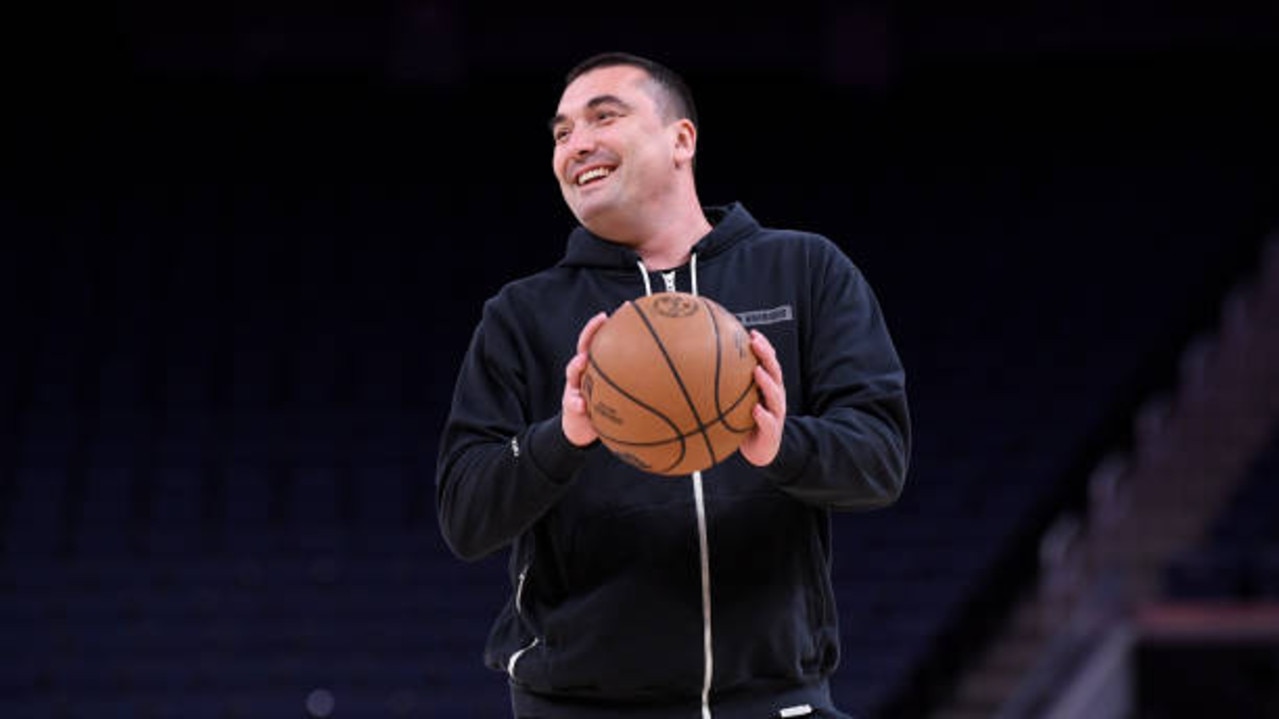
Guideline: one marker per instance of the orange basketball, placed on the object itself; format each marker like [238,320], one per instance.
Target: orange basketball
[670,385]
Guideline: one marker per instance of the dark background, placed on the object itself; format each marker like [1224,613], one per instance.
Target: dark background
[246,243]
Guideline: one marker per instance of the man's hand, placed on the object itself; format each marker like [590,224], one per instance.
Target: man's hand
[763,443]
[573,419]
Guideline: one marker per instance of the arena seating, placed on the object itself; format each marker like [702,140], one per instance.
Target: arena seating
[1238,561]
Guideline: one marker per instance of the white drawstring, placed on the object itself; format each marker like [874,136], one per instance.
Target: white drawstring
[692,271]
[648,284]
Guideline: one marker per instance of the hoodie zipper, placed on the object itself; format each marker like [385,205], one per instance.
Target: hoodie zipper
[669,279]
[703,541]
[704,553]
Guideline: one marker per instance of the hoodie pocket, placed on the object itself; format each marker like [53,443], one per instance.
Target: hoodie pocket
[822,616]
[515,659]
[519,613]
[627,620]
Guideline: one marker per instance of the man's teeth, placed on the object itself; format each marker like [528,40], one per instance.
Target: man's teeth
[594,174]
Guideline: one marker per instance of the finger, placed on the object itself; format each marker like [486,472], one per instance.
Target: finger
[766,354]
[584,339]
[766,422]
[773,397]
[574,370]
[762,445]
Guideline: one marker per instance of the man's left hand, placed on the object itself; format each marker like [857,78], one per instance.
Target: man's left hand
[763,443]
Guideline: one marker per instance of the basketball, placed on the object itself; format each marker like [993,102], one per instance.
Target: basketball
[669,385]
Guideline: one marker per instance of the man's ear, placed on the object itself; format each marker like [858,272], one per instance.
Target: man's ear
[685,142]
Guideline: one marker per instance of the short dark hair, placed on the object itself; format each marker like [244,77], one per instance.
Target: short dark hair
[677,91]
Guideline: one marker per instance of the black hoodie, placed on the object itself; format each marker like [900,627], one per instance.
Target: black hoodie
[637,595]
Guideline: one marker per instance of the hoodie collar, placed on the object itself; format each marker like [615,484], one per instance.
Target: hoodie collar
[729,224]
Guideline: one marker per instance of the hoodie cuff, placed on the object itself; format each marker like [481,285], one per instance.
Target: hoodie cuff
[792,457]
[552,453]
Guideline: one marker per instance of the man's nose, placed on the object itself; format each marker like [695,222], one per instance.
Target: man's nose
[581,143]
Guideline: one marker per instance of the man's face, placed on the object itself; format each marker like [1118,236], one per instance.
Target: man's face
[614,152]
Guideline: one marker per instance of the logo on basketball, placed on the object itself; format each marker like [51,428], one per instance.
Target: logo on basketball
[671,304]
[599,409]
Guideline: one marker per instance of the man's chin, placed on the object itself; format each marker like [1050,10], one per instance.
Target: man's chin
[592,214]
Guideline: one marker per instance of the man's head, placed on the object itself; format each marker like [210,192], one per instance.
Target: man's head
[674,95]
[625,135]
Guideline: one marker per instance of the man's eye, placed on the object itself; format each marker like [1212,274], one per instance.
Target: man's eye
[560,136]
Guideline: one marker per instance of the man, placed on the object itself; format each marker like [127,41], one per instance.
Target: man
[637,595]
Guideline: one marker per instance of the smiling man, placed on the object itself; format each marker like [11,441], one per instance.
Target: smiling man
[634,595]
[624,145]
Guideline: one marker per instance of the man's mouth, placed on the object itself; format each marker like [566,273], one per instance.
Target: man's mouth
[593,174]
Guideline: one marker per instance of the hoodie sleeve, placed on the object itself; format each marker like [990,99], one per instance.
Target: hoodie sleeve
[498,470]
[846,440]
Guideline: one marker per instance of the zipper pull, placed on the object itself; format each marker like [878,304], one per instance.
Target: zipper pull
[669,279]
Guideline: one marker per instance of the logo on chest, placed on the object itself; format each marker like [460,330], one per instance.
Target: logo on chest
[755,318]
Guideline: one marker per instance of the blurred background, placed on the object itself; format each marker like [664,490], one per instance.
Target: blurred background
[245,245]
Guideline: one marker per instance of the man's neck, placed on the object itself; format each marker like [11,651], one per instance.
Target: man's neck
[669,246]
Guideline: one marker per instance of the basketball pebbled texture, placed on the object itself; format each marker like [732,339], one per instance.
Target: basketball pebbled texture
[670,384]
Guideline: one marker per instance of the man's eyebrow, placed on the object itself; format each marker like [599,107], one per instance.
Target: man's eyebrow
[591,104]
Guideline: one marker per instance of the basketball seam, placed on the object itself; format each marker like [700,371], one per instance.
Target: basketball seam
[678,436]
[723,417]
[670,364]
[719,364]
[719,354]
[667,440]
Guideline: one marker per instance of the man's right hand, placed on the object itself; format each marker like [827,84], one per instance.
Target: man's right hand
[574,418]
